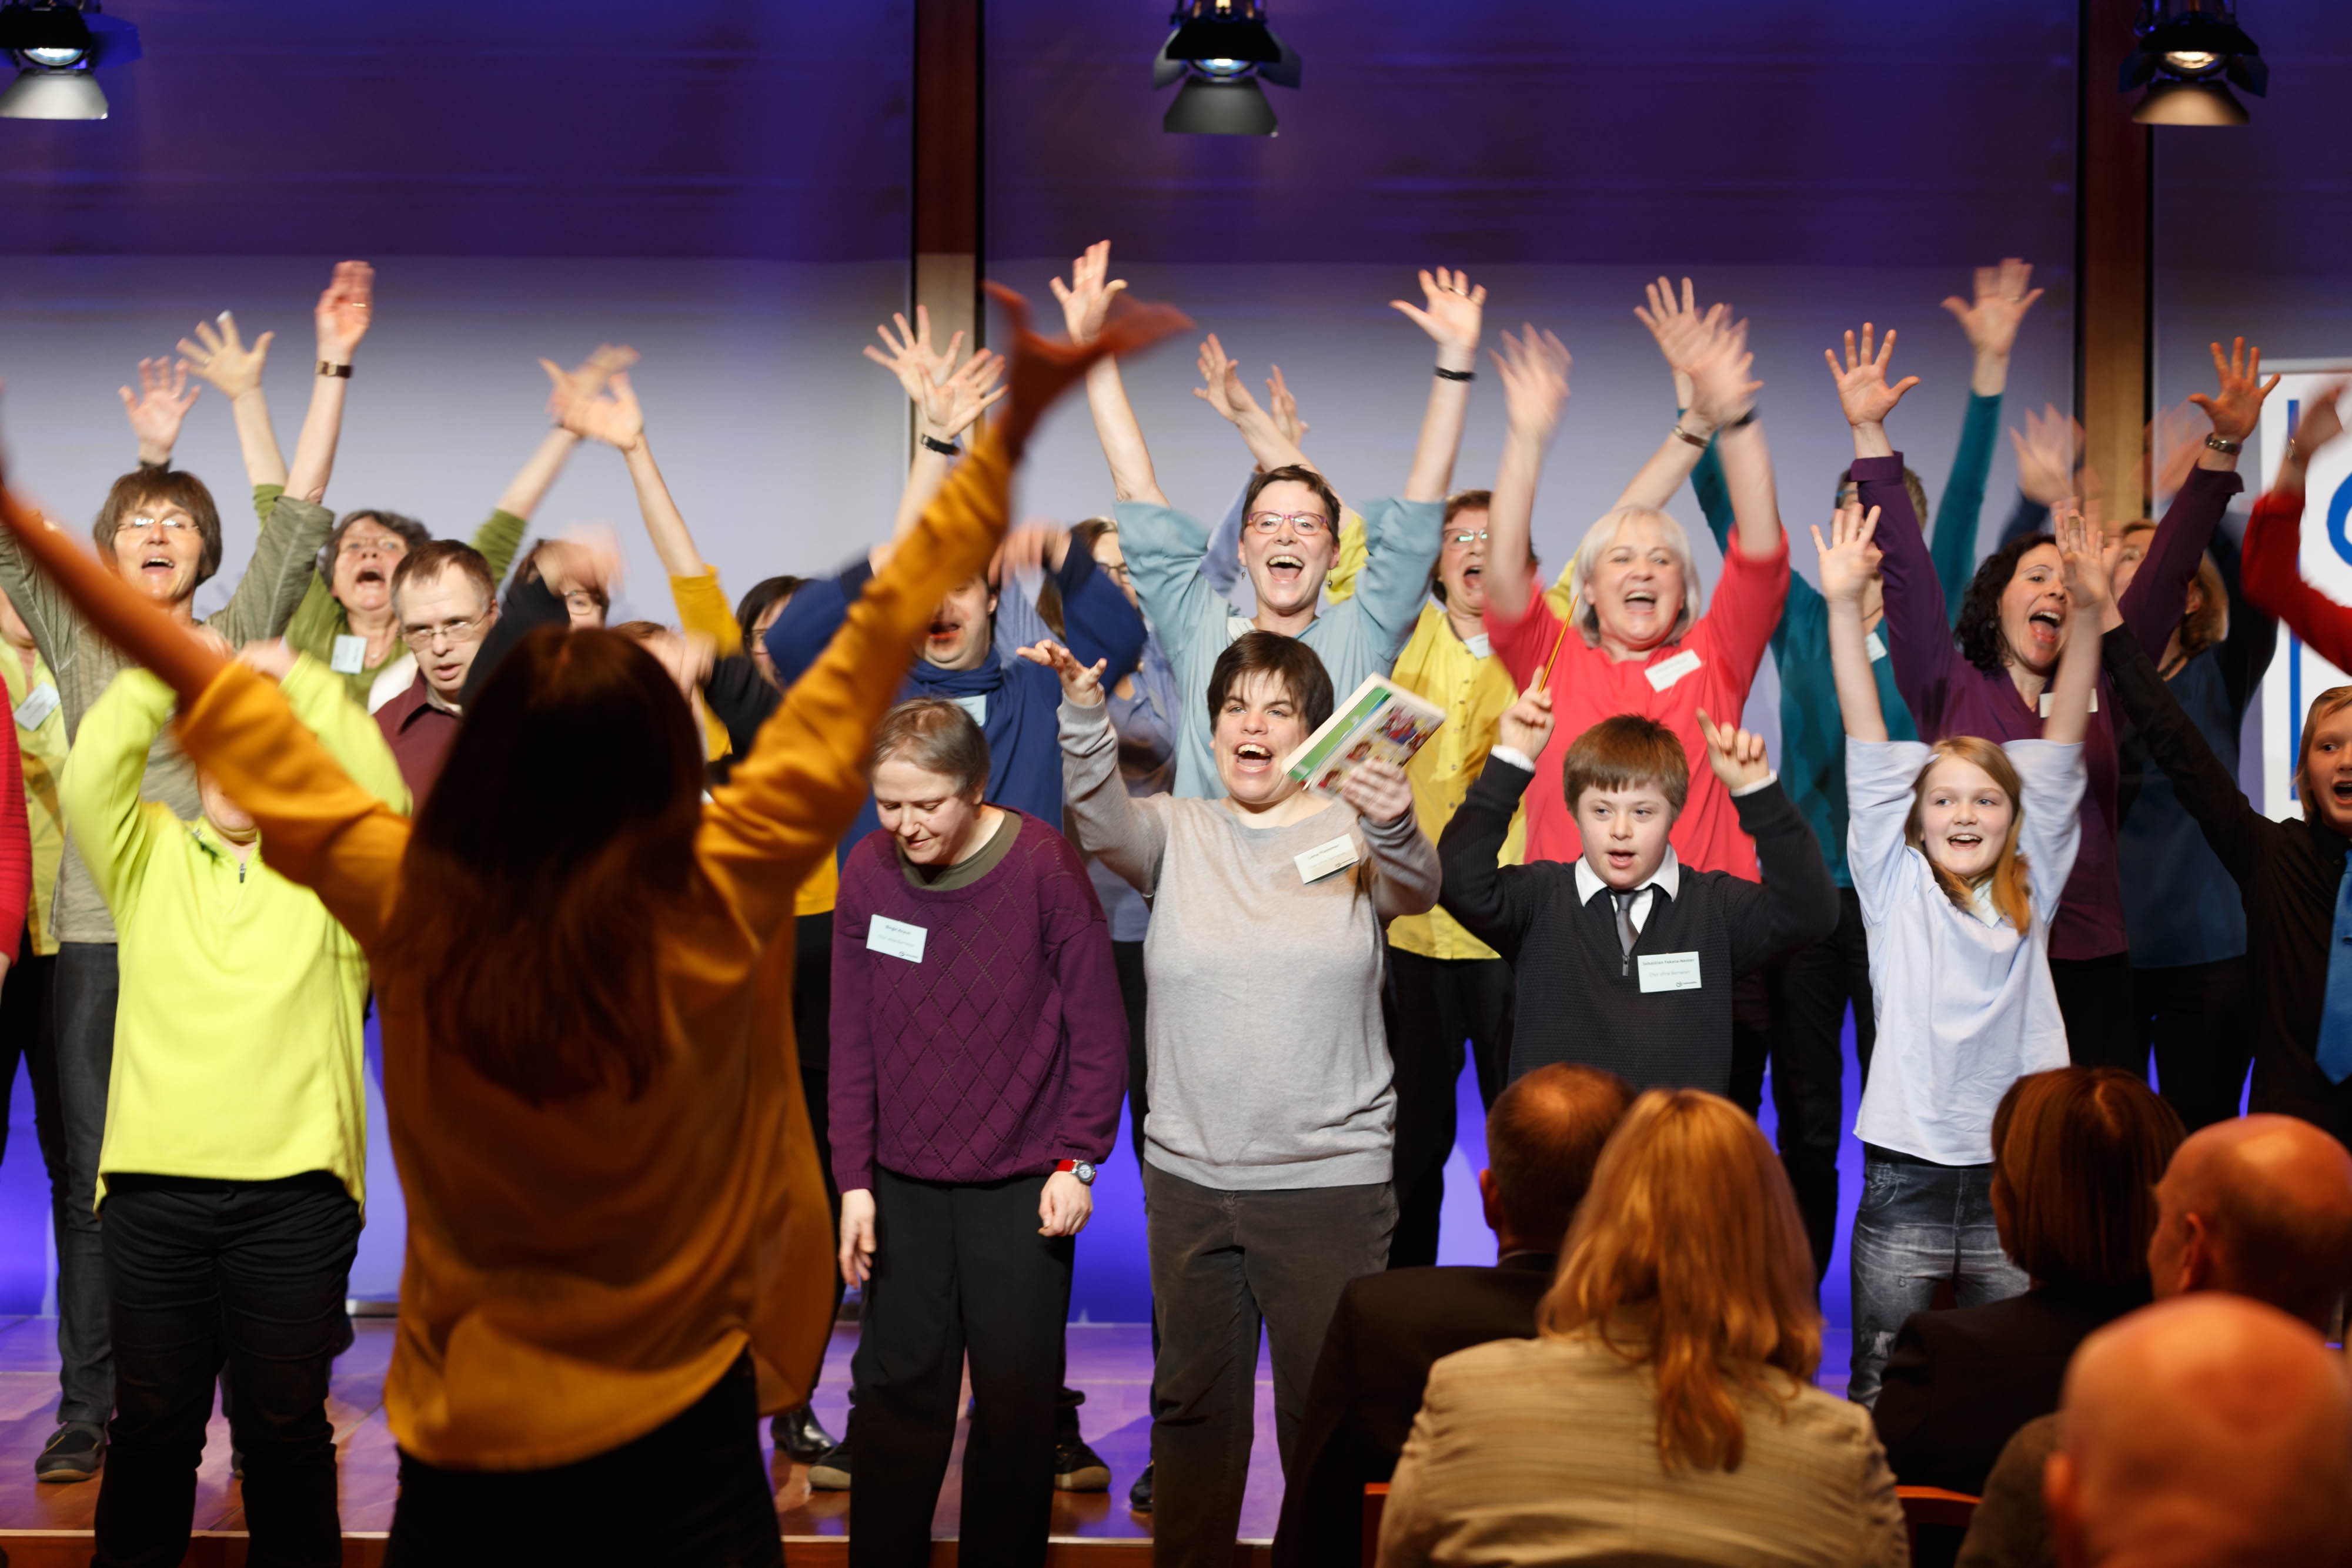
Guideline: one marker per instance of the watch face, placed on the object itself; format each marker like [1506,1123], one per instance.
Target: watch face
[1085,1173]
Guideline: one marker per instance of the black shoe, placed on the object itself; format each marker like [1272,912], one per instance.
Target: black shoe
[74,1454]
[237,1463]
[1077,1468]
[831,1470]
[800,1436]
[1139,1496]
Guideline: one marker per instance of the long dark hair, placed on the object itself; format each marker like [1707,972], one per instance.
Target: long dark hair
[559,836]
[1981,640]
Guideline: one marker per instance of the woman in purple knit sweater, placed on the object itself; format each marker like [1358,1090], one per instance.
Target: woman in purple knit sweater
[979,1065]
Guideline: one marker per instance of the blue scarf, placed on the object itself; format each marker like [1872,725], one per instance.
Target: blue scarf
[2335,1012]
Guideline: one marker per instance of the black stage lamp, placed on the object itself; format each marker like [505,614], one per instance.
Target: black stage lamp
[57,45]
[1220,50]
[2189,51]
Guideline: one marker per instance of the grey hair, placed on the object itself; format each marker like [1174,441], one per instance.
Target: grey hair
[1601,536]
[938,736]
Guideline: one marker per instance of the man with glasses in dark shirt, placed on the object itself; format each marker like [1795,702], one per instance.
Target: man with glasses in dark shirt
[444,599]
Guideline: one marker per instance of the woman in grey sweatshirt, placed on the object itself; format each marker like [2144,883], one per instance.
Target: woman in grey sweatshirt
[1265,1154]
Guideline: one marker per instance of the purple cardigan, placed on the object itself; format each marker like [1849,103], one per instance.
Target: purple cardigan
[999,1053]
[1949,695]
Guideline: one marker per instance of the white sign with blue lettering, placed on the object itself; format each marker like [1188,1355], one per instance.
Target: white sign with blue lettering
[2297,675]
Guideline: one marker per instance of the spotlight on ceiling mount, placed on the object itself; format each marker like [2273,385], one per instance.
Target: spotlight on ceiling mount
[2189,51]
[1220,51]
[57,45]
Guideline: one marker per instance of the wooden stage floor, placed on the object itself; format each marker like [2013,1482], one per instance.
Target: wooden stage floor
[49,1526]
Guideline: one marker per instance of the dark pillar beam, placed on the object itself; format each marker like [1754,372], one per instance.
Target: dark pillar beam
[2113,253]
[946,228]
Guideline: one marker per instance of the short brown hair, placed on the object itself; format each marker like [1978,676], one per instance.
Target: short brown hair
[1463,501]
[1287,659]
[2077,1152]
[434,557]
[170,487]
[938,736]
[1622,751]
[1543,1138]
[1294,474]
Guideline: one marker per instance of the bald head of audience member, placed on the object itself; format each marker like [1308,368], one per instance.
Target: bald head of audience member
[2260,1206]
[1543,1138]
[2211,1430]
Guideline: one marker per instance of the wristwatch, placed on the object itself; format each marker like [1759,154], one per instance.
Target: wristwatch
[1078,1169]
[2230,448]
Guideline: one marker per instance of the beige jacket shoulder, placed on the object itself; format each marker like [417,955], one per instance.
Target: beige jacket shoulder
[1545,1452]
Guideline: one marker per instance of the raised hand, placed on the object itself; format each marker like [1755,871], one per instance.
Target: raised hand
[1222,389]
[1534,371]
[2238,405]
[1737,755]
[2046,453]
[162,401]
[1849,559]
[612,417]
[1086,299]
[1862,388]
[2003,295]
[1526,724]
[1680,328]
[1030,546]
[269,656]
[1282,408]
[1081,683]
[948,407]
[2087,554]
[589,378]
[1450,311]
[2322,421]
[1379,791]
[1043,371]
[1721,392]
[221,357]
[911,357]
[345,311]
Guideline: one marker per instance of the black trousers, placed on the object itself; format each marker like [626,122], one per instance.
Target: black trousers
[82,997]
[1434,1006]
[201,1274]
[691,1493]
[1811,990]
[28,1030]
[2094,998]
[1751,1040]
[959,1269]
[2193,1018]
[813,1037]
[1127,957]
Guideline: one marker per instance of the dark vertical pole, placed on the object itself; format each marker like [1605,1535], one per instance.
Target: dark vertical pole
[2114,260]
[946,226]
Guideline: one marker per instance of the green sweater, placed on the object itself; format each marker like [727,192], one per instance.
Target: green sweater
[320,618]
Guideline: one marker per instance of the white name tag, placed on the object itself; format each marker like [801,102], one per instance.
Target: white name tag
[1669,971]
[2045,701]
[976,707]
[1876,645]
[39,704]
[897,938]
[1668,672]
[350,656]
[1324,859]
[1480,646]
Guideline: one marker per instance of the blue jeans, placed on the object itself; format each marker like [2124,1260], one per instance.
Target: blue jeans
[1919,1225]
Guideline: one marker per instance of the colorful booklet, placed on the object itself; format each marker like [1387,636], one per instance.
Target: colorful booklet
[1380,719]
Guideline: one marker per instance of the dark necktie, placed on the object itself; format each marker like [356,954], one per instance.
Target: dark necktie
[1625,932]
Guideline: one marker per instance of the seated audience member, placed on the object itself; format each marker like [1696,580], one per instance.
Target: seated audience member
[979,1060]
[2076,1156]
[1666,1412]
[1624,958]
[2216,1432]
[1266,1149]
[1543,1137]
[2261,1207]
[1959,852]
[1290,540]
[234,1160]
[445,599]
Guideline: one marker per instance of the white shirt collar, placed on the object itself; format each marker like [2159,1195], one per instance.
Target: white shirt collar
[1667,878]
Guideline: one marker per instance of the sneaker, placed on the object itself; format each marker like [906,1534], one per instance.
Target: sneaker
[831,1472]
[802,1438]
[74,1454]
[1139,1496]
[1077,1468]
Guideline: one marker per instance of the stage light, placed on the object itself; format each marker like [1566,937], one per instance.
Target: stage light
[57,45]
[2190,51]
[1220,50]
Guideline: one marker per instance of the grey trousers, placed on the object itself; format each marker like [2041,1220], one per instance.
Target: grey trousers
[86,988]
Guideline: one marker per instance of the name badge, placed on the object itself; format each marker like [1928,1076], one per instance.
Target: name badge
[976,707]
[350,656]
[1480,646]
[1324,859]
[901,940]
[1667,672]
[2045,701]
[1669,971]
[39,704]
[1876,644]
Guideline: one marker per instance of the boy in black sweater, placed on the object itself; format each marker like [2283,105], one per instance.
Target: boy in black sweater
[1624,958]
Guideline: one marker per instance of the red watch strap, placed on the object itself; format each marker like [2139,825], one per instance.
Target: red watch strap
[1066,1165]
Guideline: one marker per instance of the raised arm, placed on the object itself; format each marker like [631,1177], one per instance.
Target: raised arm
[2205,786]
[947,399]
[2153,604]
[221,356]
[1721,391]
[1221,388]
[344,312]
[2274,555]
[1848,559]
[1085,303]
[1451,312]
[1683,332]
[528,487]
[1796,902]
[2003,295]
[2048,451]
[1494,903]
[1534,371]
[1105,820]
[2088,558]
[615,419]
[160,408]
